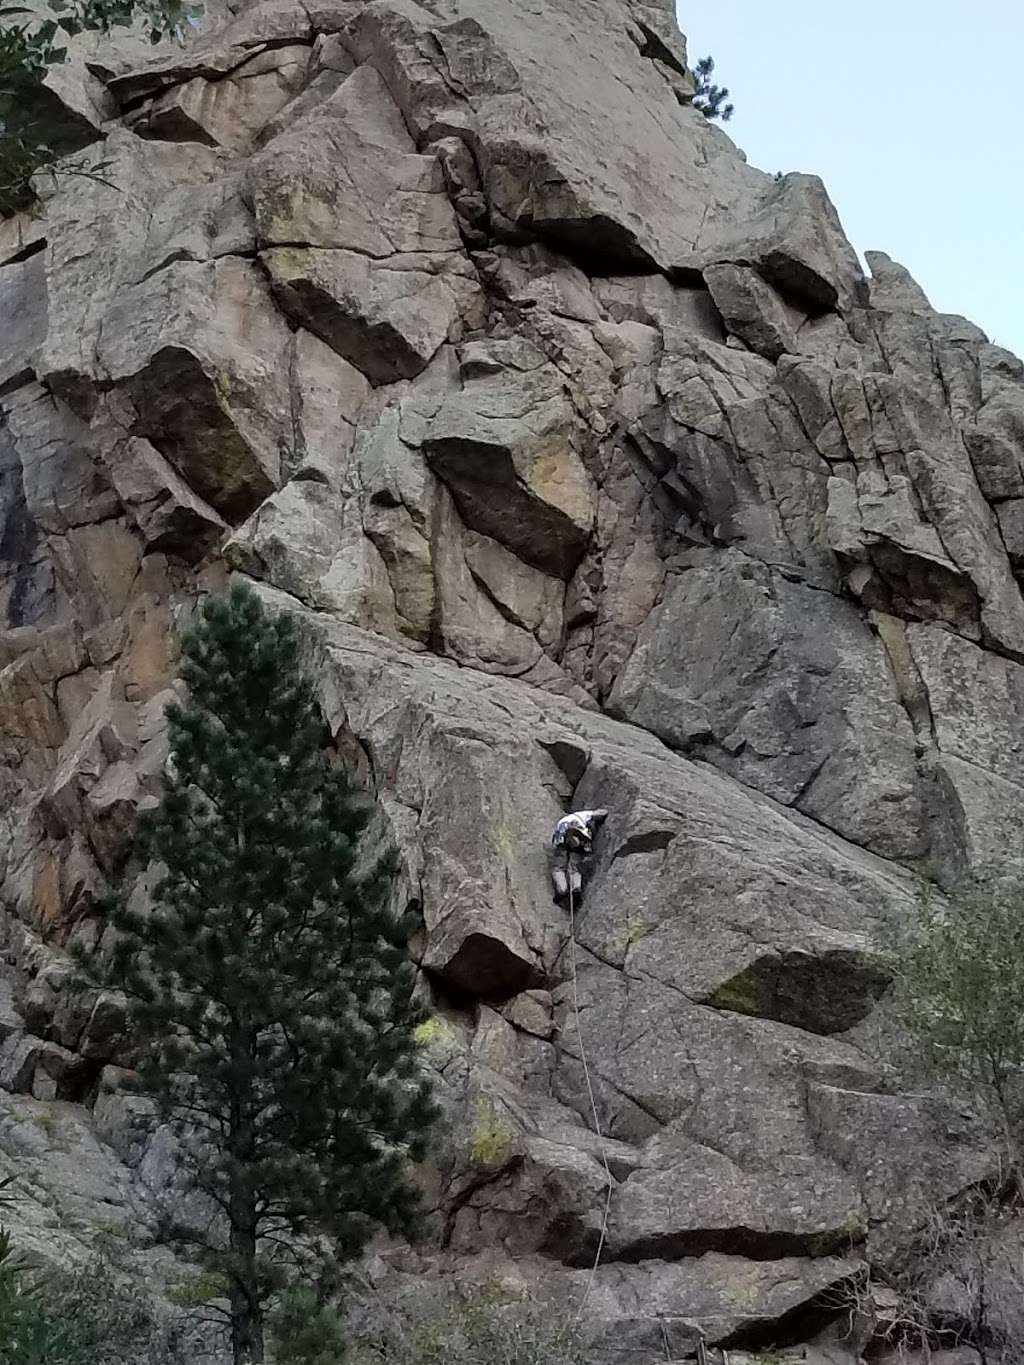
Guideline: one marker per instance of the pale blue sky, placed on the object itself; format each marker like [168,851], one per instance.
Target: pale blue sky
[911,111]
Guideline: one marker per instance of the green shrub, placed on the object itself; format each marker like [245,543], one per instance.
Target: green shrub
[484,1326]
[52,1317]
[306,1331]
[959,972]
[709,98]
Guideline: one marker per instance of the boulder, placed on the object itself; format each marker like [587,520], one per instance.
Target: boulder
[203,356]
[792,236]
[375,270]
[98,228]
[909,513]
[752,310]
[23,308]
[778,718]
[231,111]
[307,541]
[166,513]
[488,80]
[507,447]
[892,286]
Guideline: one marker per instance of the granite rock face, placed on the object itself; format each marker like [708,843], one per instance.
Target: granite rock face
[598,474]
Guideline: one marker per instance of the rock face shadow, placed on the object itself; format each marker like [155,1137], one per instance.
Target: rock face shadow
[823,993]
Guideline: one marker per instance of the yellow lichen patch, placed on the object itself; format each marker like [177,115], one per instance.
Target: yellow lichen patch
[297,211]
[742,994]
[288,261]
[558,477]
[492,1136]
[742,1296]
[618,944]
[47,1124]
[432,1030]
[504,845]
[223,383]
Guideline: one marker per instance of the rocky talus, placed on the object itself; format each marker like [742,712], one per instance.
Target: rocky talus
[598,474]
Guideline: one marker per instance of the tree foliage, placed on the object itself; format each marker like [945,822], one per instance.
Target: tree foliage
[269,985]
[709,98]
[64,1317]
[959,970]
[306,1331]
[961,1283]
[32,41]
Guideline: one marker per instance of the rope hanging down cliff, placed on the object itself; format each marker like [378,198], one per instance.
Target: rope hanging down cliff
[573,839]
[593,1105]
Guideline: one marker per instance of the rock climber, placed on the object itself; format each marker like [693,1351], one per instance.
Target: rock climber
[571,843]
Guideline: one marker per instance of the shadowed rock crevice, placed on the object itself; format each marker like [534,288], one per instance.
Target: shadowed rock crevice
[494,499]
[755,1244]
[823,993]
[183,413]
[486,968]
[803,1322]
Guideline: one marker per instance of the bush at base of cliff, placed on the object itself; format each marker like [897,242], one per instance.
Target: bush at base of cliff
[482,1325]
[69,1318]
[958,967]
[305,1331]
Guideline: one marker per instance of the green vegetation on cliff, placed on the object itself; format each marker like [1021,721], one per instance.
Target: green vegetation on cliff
[269,985]
[32,41]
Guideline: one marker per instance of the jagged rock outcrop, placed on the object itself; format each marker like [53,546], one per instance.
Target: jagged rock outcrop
[597,474]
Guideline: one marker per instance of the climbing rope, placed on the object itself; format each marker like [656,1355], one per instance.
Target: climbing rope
[590,1091]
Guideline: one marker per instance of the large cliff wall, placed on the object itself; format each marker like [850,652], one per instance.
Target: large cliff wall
[599,475]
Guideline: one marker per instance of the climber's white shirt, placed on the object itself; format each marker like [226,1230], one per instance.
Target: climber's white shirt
[582,821]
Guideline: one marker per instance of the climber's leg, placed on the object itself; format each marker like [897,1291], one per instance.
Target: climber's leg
[560,881]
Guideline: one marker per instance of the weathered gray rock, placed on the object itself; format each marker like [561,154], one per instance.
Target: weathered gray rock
[225,41]
[377,271]
[229,112]
[167,514]
[23,309]
[781,720]
[535,402]
[507,445]
[793,238]
[388,320]
[203,356]
[667,814]
[196,223]
[892,286]
[98,226]
[492,81]
[752,310]
[996,435]
[905,506]
[305,541]
[634,1310]
[63,487]
[327,399]
[73,1186]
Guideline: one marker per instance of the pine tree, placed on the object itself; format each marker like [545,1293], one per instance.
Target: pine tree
[710,99]
[269,986]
